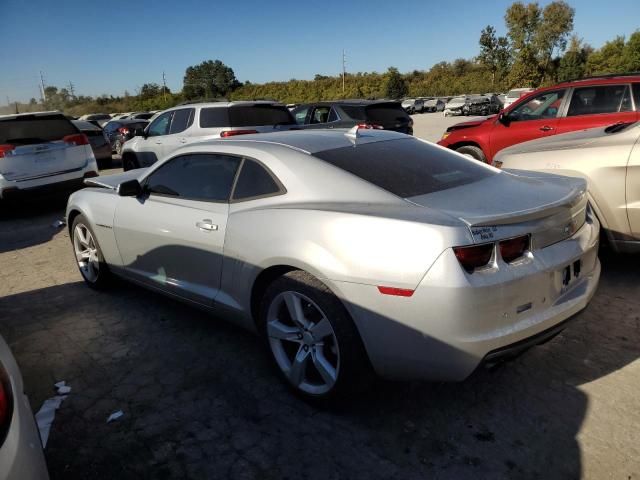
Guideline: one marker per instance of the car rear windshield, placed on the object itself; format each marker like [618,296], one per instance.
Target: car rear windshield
[406,167]
[384,114]
[31,129]
[245,116]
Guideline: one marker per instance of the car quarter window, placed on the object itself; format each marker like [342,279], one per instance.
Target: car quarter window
[207,177]
[333,116]
[600,99]
[543,105]
[300,115]
[160,125]
[180,121]
[254,181]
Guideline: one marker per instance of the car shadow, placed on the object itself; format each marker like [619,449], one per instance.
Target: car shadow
[201,399]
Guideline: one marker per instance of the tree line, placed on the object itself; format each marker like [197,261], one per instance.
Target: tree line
[539,49]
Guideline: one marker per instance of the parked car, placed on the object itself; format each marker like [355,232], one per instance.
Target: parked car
[566,107]
[196,122]
[514,94]
[42,153]
[100,144]
[454,106]
[21,455]
[375,114]
[140,116]
[119,131]
[413,105]
[98,119]
[349,249]
[608,158]
[434,105]
[481,105]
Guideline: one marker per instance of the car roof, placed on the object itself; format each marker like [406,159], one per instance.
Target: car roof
[84,125]
[26,114]
[222,104]
[312,140]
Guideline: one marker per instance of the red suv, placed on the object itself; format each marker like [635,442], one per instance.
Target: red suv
[566,107]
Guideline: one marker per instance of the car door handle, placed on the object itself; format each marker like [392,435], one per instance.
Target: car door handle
[206,225]
[183,140]
[546,128]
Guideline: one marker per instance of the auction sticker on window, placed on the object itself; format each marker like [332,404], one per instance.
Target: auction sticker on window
[484,234]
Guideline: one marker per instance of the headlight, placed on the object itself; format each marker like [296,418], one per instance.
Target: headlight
[445,135]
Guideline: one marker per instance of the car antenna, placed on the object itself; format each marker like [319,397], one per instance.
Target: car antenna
[353,134]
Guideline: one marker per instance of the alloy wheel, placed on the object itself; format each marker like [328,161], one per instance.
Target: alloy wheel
[303,343]
[86,250]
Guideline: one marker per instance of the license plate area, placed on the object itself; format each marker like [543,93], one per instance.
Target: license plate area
[570,273]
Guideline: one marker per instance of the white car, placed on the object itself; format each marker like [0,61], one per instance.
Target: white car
[42,152]
[21,456]
[514,94]
[454,106]
[196,122]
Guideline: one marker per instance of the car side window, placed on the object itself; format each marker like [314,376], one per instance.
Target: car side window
[160,125]
[180,121]
[254,181]
[636,95]
[205,177]
[320,115]
[600,99]
[300,114]
[541,106]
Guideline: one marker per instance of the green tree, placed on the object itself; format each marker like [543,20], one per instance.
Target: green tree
[494,53]
[395,86]
[554,28]
[209,79]
[573,63]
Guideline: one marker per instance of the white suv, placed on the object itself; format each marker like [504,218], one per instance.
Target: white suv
[42,152]
[195,122]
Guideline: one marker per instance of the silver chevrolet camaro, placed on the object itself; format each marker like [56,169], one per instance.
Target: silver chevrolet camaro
[352,252]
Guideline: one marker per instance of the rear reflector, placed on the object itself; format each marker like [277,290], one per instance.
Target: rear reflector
[514,248]
[475,256]
[398,292]
[6,148]
[77,139]
[233,133]
[6,403]
[124,130]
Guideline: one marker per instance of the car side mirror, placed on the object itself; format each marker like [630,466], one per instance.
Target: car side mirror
[130,188]
[503,118]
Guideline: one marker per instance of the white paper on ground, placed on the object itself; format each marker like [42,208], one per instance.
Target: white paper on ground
[62,387]
[115,416]
[45,416]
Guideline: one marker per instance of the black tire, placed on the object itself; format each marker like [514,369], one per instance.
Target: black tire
[129,162]
[354,373]
[104,163]
[472,151]
[104,276]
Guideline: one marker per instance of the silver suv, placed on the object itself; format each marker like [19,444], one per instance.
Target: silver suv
[188,123]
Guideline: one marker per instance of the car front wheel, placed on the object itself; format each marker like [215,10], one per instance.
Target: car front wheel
[312,339]
[88,255]
[473,152]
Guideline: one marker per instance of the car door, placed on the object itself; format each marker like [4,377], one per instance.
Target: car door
[177,135]
[531,118]
[172,236]
[150,148]
[598,106]
[633,189]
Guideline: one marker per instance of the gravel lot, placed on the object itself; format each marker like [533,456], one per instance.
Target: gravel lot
[201,401]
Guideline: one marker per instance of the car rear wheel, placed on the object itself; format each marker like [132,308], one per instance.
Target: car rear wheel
[473,152]
[312,339]
[88,255]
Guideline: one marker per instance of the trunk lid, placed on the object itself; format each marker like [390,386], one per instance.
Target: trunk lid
[27,162]
[549,207]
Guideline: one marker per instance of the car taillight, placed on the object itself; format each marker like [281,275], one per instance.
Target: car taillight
[6,148]
[474,256]
[514,248]
[370,126]
[398,292]
[124,130]
[233,133]
[76,139]
[6,403]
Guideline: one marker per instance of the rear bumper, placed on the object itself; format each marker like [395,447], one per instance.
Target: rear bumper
[44,187]
[455,321]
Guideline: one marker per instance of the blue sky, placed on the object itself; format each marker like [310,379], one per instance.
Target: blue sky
[110,47]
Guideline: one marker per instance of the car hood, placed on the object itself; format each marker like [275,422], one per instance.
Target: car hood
[112,181]
[469,124]
[507,198]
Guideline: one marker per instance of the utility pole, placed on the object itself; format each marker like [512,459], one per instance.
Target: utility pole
[164,87]
[44,95]
[71,91]
[344,67]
